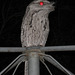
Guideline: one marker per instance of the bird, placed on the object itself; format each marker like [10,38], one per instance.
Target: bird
[35,23]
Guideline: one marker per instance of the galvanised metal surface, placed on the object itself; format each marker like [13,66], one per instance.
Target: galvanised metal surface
[33,64]
[47,49]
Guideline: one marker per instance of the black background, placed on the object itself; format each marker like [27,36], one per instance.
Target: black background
[62,32]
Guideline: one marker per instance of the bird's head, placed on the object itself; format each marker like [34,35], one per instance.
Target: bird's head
[41,4]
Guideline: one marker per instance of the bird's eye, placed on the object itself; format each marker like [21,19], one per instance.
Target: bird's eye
[41,3]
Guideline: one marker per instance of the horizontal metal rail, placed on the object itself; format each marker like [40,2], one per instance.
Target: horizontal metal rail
[47,49]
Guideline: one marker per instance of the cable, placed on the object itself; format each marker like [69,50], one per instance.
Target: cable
[53,61]
[12,64]
[46,67]
[17,67]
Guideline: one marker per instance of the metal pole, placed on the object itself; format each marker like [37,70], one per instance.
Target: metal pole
[33,63]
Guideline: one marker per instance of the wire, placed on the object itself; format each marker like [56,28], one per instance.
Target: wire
[53,61]
[17,67]
[12,64]
[46,67]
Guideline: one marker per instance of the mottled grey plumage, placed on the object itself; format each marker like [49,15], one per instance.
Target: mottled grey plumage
[35,24]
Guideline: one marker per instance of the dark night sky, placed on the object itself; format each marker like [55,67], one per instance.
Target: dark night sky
[62,32]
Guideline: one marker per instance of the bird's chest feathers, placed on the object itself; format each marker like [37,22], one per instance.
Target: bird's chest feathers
[38,20]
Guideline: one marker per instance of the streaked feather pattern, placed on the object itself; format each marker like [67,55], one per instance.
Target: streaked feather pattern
[35,24]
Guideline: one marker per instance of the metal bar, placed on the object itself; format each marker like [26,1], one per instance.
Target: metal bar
[33,63]
[57,64]
[58,48]
[12,49]
[47,49]
[54,48]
